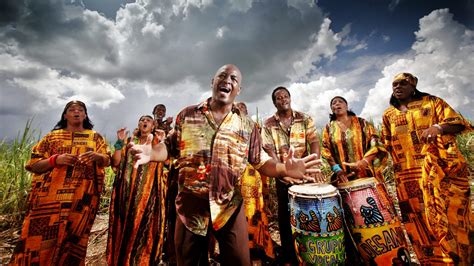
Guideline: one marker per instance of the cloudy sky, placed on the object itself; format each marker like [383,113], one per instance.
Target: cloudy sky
[122,57]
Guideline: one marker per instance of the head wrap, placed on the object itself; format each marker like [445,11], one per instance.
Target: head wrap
[407,77]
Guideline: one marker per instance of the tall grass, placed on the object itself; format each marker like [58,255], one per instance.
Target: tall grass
[15,181]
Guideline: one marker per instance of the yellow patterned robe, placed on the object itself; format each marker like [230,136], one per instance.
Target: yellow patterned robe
[137,215]
[63,203]
[432,183]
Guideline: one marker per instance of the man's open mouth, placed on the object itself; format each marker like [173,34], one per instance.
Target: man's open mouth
[224,89]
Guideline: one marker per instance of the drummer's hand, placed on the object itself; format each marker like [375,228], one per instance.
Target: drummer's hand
[319,178]
[343,177]
[302,168]
[292,181]
[360,165]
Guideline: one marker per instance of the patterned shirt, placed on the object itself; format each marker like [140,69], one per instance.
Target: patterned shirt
[211,159]
[402,130]
[356,142]
[299,135]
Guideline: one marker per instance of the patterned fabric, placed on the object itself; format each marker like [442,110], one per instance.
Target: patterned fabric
[63,202]
[255,188]
[299,135]
[358,141]
[432,183]
[211,159]
[137,215]
[278,140]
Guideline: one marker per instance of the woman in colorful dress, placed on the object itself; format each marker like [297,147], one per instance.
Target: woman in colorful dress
[352,148]
[137,206]
[419,130]
[68,176]
[351,145]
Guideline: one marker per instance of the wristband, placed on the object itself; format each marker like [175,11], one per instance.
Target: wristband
[336,168]
[52,160]
[118,144]
[439,127]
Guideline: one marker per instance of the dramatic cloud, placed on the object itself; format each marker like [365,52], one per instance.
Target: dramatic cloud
[441,57]
[167,51]
[52,52]
[442,60]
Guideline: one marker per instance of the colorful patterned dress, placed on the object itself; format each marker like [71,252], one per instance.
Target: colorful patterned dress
[432,182]
[63,203]
[137,213]
[255,189]
[358,141]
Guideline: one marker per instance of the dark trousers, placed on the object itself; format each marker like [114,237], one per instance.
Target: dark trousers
[287,254]
[192,249]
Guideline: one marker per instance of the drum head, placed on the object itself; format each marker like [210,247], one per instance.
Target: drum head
[312,190]
[358,183]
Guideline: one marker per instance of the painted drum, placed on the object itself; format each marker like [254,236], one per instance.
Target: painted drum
[373,223]
[317,224]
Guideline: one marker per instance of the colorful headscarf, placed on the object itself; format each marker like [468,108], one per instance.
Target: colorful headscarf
[408,77]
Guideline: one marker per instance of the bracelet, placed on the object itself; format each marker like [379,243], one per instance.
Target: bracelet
[52,160]
[119,144]
[336,168]
[439,127]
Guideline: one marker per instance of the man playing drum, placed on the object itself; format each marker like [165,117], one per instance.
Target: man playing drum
[286,128]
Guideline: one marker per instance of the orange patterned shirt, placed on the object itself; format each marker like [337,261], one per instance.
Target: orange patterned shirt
[211,159]
[300,135]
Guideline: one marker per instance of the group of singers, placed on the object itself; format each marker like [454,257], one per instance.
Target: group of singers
[179,191]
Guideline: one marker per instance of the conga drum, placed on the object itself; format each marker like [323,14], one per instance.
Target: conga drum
[317,224]
[373,222]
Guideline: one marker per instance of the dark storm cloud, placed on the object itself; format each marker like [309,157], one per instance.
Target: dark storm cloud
[263,41]
[63,36]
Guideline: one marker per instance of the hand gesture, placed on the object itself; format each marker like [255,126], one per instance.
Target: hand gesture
[90,157]
[141,152]
[66,159]
[430,134]
[169,120]
[122,134]
[302,168]
[160,135]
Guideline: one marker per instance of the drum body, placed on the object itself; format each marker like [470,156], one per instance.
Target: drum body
[373,223]
[316,219]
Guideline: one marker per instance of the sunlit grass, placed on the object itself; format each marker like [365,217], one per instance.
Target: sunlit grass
[15,181]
